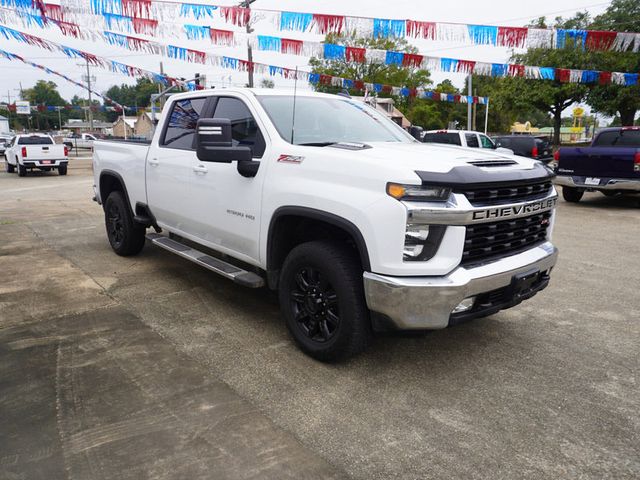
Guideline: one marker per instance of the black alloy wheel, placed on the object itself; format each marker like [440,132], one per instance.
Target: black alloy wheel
[322,300]
[125,236]
[115,225]
[315,305]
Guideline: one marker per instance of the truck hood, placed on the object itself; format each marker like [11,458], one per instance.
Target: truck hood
[432,157]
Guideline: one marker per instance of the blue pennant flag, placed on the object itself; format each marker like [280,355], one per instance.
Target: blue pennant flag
[197,11]
[196,32]
[267,43]
[295,21]
[314,78]
[483,34]
[394,58]
[499,69]
[384,28]
[334,52]
[590,76]
[448,64]
[548,73]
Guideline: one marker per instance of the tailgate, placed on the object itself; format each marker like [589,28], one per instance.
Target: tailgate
[603,162]
[45,152]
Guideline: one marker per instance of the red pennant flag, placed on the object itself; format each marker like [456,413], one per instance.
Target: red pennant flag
[328,23]
[418,29]
[221,37]
[466,66]
[605,78]
[291,46]
[513,37]
[599,40]
[355,54]
[563,75]
[516,70]
[239,16]
[412,60]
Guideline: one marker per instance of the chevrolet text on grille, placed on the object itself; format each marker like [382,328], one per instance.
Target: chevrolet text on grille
[515,210]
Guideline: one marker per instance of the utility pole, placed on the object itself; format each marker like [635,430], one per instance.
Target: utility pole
[469,105]
[247,4]
[59,118]
[9,109]
[90,104]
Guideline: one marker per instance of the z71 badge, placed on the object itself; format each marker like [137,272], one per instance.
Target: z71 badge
[290,159]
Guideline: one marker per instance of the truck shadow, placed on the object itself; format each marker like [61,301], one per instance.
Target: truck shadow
[598,200]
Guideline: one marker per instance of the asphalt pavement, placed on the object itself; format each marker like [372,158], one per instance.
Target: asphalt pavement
[152,367]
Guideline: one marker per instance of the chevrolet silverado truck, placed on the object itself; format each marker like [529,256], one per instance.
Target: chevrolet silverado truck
[358,226]
[611,165]
[35,151]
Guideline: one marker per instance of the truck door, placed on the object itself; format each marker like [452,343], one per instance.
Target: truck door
[171,162]
[227,215]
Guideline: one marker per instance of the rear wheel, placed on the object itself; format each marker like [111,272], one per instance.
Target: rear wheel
[62,170]
[125,236]
[571,194]
[10,168]
[22,170]
[322,299]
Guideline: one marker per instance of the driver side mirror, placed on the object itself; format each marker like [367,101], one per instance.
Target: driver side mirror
[214,142]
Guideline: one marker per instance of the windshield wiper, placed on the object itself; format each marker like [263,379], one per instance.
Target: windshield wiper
[317,144]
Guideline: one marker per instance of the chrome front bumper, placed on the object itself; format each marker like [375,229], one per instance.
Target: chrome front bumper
[427,302]
[609,183]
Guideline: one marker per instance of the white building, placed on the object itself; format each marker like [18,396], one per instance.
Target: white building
[4,125]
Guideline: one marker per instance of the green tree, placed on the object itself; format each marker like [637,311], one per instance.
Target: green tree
[617,100]
[45,93]
[267,83]
[371,71]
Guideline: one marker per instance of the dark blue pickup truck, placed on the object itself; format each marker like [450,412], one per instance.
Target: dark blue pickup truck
[611,164]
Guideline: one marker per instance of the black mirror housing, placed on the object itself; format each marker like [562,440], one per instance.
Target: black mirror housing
[214,142]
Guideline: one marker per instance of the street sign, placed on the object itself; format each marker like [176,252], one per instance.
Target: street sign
[23,108]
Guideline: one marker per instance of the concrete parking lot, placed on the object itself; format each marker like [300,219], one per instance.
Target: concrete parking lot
[151,367]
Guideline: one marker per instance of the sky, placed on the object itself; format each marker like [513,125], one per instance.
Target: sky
[496,12]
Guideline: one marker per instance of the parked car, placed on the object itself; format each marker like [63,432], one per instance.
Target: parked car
[538,148]
[84,140]
[3,144]
[611,164]
[463,138]
[356,224]
[35,151]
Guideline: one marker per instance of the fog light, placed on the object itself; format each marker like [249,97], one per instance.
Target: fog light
[464,305]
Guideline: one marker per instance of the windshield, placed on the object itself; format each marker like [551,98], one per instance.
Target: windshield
[35,140]
[323,121]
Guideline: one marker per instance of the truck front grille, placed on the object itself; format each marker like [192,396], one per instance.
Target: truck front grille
[497,195]
[485,241]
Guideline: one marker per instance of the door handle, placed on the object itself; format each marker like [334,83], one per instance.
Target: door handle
[200,169]
[154,162]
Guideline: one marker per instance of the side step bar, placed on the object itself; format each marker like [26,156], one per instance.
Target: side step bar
[238,275]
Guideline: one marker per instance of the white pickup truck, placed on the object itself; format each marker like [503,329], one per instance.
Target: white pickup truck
[463,138]
[357,225]
[35,151]
[83,140]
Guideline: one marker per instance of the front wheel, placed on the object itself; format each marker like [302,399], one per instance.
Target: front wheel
[571,194]
[125,236]
[322,300]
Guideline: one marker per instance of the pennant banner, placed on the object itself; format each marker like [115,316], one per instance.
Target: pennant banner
[224,62]
[147,15]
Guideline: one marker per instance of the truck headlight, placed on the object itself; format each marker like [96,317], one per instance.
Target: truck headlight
[425,193]
[421,241]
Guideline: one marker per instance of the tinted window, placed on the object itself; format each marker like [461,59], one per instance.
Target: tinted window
[442,137]
[244,130]
[486,142]
[472,140]
[35,140]
[182,123]
[618,138]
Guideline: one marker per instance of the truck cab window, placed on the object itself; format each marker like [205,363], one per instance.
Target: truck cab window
[472,140]
[486,142]
[181,127]
[245,131]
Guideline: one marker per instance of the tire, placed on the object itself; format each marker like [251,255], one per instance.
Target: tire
[125,237]
[322,300]
[22,170]
[10,168]
[62,170]
[571,194]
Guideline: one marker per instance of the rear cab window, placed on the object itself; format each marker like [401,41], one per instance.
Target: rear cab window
[35,140]
[618,138]
[181,125]
[472,140]
[450,138]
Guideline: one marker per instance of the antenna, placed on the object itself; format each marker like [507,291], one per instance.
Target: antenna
[293,119]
